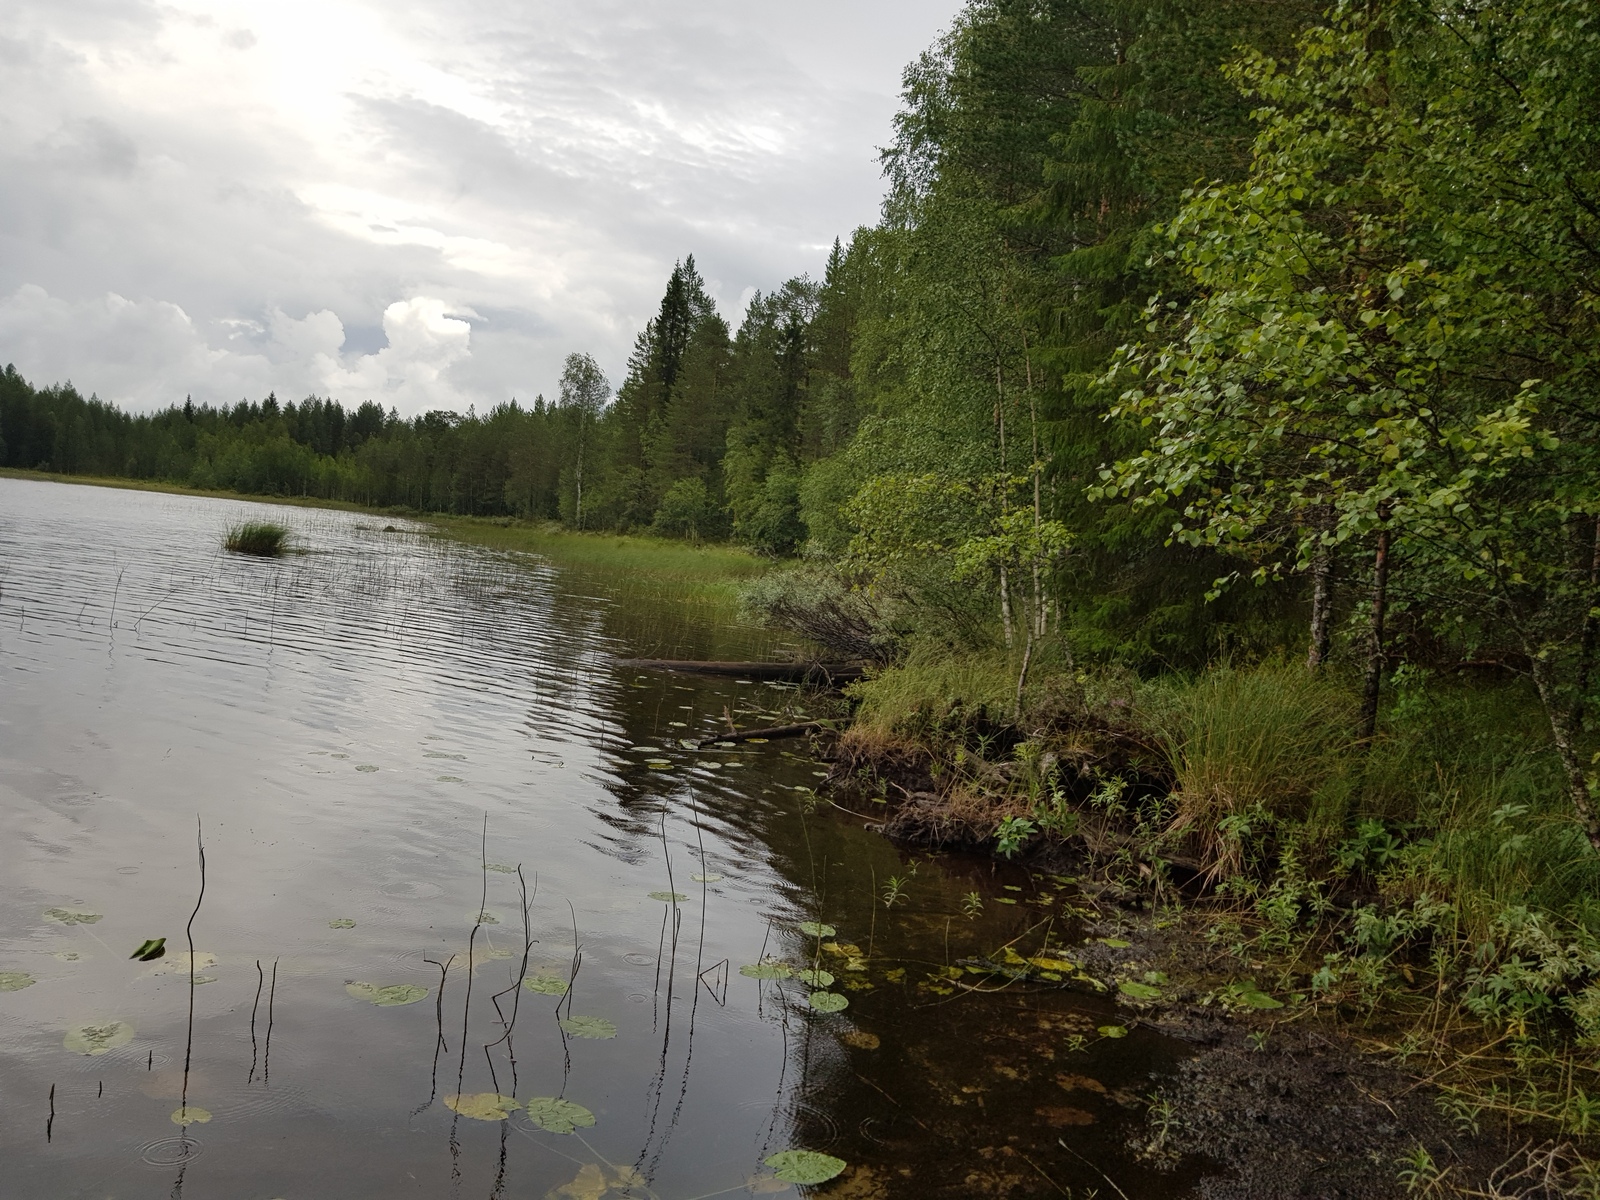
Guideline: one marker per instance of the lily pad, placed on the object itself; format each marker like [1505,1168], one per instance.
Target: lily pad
[67,955]
[1113,1031]
[386,996]
[828,1002]
[15,981]
[1114,943]
[71,916]
[555,1115]
[765,970]
[595,1182]
[98,1039]
[179,963]
[596,1029]
[706,878]
[1259,1000]
[817,929]
[1045,963]
[483,918]
[482,1106]
[805,1166]
[190,1116]
[817,979]
[1139,991]
[366,768]
[668,896]
[546,985]
[341,923]
[501,868]
[150,949]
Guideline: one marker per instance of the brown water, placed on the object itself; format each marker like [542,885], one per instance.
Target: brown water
[356,729]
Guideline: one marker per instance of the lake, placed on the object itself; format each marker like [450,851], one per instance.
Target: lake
[370,738]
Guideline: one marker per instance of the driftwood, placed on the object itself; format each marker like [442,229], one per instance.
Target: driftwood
[772,731]
[801,672]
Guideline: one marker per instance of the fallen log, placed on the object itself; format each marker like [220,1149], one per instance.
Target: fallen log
[802,672]
[772,731]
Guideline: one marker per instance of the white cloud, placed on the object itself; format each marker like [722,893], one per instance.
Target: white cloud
[176,176]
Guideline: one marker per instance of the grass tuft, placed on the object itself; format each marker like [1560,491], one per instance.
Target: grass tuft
[264,539]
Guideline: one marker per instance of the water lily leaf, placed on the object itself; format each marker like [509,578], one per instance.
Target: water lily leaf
[150,949]
[97,1039]
[554,1115]
[190,1116]
[366,768]
[1114,943]
[706,878]
[67,955]
[71,916]
[483,918]
[1045,963]
[660,764]
[1260,1000]
[817,979]
[179,963]
[765,970]
[668,896]
[341,923]
[1113,1031]
[15,981]
[482,1106]
[502,868]
[1139,991]
[828,1002]
[861,1040]
[805,1166]
[595,1028]
[390,996]
[546,985]
[817,929]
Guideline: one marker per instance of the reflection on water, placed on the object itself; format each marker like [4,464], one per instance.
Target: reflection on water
[422,775]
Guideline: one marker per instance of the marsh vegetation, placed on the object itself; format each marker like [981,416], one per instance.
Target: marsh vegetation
[262,539]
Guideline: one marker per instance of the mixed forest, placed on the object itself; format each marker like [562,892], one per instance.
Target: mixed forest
[1222,376]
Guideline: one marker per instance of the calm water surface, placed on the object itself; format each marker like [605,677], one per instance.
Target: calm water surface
[355,730]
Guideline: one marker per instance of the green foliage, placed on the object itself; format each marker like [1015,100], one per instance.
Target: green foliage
[264,539]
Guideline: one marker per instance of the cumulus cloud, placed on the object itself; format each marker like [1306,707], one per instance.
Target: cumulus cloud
[454,196]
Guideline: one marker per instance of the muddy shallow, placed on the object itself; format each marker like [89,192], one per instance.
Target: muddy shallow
[344,724]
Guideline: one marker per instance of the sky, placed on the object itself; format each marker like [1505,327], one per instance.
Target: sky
[424,204]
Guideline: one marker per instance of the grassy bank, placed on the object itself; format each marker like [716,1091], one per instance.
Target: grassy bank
[1431,883]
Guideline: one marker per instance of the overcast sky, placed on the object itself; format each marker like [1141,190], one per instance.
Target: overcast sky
[428,205]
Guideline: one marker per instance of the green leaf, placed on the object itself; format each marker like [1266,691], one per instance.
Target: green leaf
[765,970]
[1113,1031]
[817,979]
[71,916]
[341,923]
[828,1002]
[594,1028]
[668,896]
[190,1116]
[555,1115]
[15,981]
[817,929]
[482,1106]
[1115,943]
[805,1166]
[1139,991]
[386,996]
[97,1039]
[546,985]
[706,878]
[150,949]
[1259,1000]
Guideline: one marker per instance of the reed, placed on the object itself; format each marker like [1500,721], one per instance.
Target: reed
[264,539]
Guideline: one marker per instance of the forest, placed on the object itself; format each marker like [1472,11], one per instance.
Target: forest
[1225,368]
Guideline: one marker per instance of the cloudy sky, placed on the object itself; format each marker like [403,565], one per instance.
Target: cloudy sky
[424,204]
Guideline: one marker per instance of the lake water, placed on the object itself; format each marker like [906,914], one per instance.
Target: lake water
[354,731]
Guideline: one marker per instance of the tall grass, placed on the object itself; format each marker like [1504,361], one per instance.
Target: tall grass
[264,539]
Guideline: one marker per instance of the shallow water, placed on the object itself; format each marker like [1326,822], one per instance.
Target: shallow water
[354,731]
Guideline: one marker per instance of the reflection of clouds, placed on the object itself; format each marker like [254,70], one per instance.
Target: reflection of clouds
[222,188]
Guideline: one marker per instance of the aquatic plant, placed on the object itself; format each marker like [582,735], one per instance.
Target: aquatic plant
[264,539]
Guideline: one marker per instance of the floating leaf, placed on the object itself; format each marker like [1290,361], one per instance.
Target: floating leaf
[1260,1000]
[442,754]
[1115,943]
[501,868]
[805,1166]
[390,996]
[179,963]
[765,970]
[1053,964]
[190,1115]
[483,918]
[71,916]
[861,1040]
[594,1182]
[554,1115]
[546,985]
[659,764]
[817,929]
[828,1002]
[97,1039]
[341,923]
[1139,991]
[595,1028]
[15,981]
[706,878]
[817,979]
[67,955]
[1112,1031]
[448,779]
[150,949]
[668,896]
[366,768]
[482,1106]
